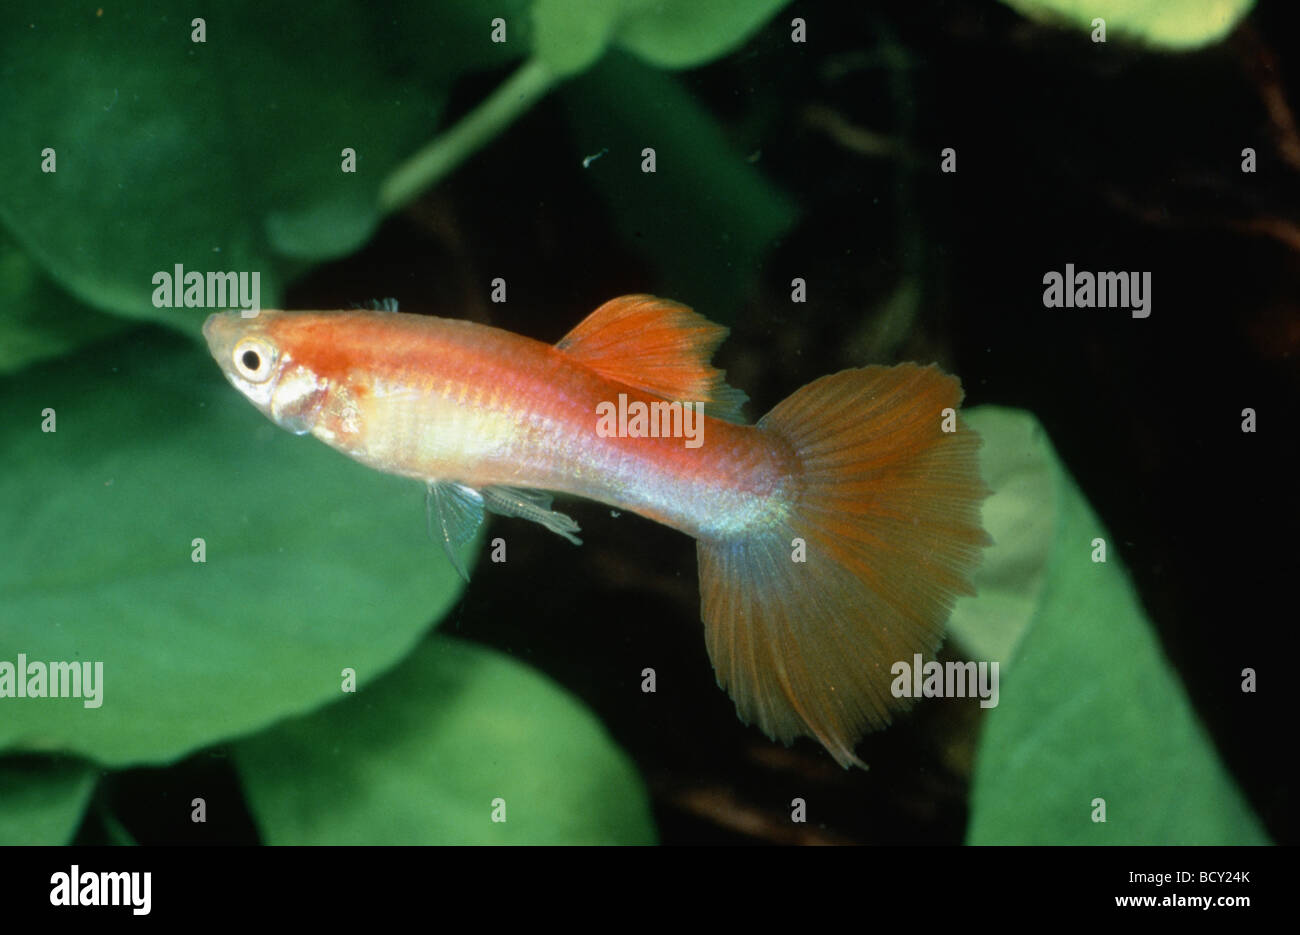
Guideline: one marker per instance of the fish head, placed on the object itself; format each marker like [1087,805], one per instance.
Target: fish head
[253,355]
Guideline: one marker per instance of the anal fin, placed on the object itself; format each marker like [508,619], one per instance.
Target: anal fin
[533,505]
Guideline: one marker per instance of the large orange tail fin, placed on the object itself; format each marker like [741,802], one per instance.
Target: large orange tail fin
[888,507]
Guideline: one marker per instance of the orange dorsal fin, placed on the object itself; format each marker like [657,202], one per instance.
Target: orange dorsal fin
[658,346]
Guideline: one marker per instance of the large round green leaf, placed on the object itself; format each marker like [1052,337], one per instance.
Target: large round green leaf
[313,562]
[219,155]
[37,319]
[42,801]
[453,738]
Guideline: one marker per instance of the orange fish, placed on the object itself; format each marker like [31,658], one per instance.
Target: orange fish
[833,536]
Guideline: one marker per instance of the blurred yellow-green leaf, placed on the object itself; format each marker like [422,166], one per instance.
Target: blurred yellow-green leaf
[1173,24]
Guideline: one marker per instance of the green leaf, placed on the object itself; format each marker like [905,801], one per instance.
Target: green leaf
[1017,462]
[1174,24]
[705,216]
[223,155]
[687,33]
[313,562]
[570,35]
[42,800]
[449,149]
[421,757]
[38,320]
[1089,708]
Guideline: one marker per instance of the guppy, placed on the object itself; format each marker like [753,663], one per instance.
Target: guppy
[833,536]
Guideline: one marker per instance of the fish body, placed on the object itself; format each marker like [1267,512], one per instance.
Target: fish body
[443,399]
[833,535]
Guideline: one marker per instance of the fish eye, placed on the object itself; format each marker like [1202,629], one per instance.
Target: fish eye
[253,359]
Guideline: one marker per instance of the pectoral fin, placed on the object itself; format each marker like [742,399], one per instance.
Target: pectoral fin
[455,513]
[530,504]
